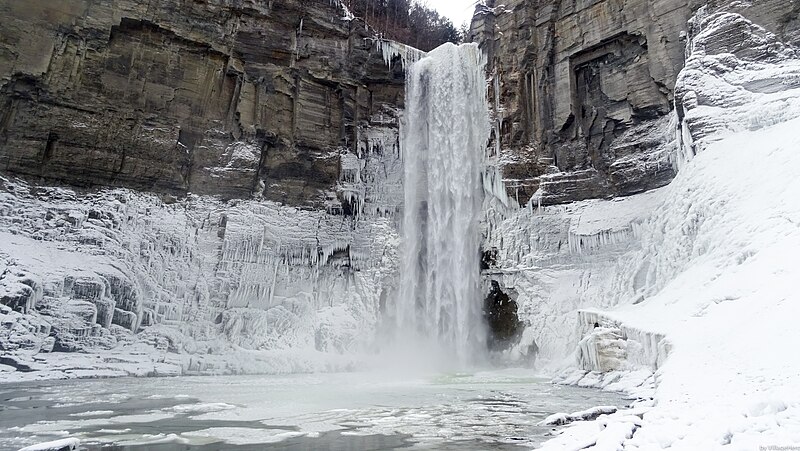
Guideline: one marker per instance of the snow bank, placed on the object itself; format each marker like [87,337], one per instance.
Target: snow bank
[697,280]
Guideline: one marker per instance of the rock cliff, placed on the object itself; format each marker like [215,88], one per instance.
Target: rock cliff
[584,89]
[232,173]
[235,171]
[233,98]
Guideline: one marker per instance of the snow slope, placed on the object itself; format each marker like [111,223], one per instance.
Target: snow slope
[686,294]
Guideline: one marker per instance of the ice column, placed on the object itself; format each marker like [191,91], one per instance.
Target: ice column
[443,137]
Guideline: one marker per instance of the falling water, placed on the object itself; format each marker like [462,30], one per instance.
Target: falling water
[444,138]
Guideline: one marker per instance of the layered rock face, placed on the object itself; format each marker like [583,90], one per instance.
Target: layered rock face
[591,262]
[584,90]
[230,98]
[254,147]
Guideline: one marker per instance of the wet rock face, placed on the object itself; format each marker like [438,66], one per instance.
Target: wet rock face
[584,89]
[489,259]
[500,312]
[229,98]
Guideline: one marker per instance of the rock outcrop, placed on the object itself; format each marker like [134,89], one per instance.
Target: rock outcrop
[571,262]
[230,98]
[233,168]
[500,311]
[584,90]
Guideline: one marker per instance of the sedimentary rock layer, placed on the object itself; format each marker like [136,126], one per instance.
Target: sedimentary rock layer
[230,98]
[582,89]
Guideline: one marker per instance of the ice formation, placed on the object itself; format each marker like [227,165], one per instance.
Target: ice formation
[682,294]
[392,49]
[246,286]
[443,141]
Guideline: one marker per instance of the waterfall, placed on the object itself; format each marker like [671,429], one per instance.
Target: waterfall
[443,139]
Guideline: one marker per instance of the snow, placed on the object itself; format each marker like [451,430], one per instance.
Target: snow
[558,419]
[55,445]
[210,286]
[683,297]
[685,294]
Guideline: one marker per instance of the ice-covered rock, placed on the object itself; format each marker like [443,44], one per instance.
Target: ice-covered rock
[685,297]
[105,265]
[738,76]
[558,419]
[64,444]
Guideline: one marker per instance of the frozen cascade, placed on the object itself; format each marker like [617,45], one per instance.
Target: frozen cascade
[443,141]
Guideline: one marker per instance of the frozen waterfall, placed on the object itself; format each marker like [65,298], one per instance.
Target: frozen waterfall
[443,140]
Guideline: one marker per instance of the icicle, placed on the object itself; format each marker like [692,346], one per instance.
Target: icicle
[390,50]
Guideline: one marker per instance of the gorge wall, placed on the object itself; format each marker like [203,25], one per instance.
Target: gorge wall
[221,180]
[206,178]
[584,89]
[229,98]
[598,105]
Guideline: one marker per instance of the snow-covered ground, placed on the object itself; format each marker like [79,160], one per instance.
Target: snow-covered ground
[687,293]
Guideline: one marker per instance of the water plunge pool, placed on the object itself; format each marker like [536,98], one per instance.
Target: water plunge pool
[341,411]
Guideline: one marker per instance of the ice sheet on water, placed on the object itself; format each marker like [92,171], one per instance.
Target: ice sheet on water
[55,445]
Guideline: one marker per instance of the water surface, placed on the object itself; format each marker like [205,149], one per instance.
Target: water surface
[343,411]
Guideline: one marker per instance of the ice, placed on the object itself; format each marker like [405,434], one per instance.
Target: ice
[94,413]
[392,49]
[244,436]
[371,178]
[443,140]
[489,408]
[67,444]
[346,14]
[558,419]
[683,295]
[201,281]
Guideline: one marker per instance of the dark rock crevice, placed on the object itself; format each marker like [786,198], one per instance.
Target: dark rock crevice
[500,313]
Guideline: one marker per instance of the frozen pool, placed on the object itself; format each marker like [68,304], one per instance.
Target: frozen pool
[345,411]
